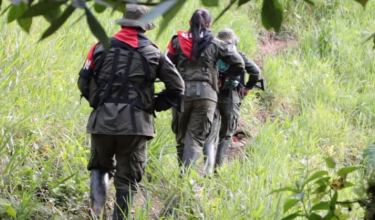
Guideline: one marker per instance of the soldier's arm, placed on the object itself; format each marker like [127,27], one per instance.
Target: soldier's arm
[252,69]
[88,68]
[172,96]
[172,79]
[228,53]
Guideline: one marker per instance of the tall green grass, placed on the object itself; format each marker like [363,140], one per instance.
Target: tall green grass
[320,97]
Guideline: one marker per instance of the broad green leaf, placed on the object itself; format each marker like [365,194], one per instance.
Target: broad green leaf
[310,2]
[330,162]
[97,29]
[321,189]
[324,181]
[1,1]
[289,204]
[291,216]
[158,10]
[99,8]
[315,216]
[347,170]
[272,14]
[42,8]
[315,175]
[25,23]
[241,2]
[56,24]
[362,2]
[224,10]
[210,3]
[52,15]
[16,12]
[287,188]
[348,184]
[333,201]
[321,206]
[11,211]
[168,16]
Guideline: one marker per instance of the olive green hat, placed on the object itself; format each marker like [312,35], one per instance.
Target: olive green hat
[227,35]
[131,15]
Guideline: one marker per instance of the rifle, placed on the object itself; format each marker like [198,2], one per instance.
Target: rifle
[262,86]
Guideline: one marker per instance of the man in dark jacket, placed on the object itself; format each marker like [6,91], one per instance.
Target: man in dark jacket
[121,122]
[228,107]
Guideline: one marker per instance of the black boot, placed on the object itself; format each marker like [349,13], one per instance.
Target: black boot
[98,191]
[122,205]
[222,150]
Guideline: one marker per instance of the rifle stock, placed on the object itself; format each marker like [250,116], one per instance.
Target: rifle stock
[261,84]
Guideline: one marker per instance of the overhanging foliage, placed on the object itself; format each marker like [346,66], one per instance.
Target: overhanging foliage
[56,12]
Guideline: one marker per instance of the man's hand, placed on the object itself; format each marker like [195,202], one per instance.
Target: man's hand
[246,91]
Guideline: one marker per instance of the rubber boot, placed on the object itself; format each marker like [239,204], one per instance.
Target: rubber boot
[180,154]
[222,151]
[209,152]
[189,159]
[123,204]
[98,191]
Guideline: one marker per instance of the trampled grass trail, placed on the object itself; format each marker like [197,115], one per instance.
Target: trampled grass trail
[320,95]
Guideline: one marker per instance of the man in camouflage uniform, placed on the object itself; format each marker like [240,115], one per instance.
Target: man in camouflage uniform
[201,77]
[121,122]
[228,107]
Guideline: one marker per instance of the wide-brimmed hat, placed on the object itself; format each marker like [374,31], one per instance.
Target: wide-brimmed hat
[131,15]
[227,35]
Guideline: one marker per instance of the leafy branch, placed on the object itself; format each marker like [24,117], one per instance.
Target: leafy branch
[321,191]
[57,12]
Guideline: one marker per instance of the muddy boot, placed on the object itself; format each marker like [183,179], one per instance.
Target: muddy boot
[222,150]
[122,205]
[98,191]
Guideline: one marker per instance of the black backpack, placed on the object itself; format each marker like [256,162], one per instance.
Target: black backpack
[114,81]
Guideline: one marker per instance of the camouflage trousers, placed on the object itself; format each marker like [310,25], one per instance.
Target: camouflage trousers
[122,156]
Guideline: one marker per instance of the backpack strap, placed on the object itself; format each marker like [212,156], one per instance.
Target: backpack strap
[125,82]
[113,75]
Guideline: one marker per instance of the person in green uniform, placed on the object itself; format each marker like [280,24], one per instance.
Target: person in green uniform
[119,85]
[228,108]
[195,53]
